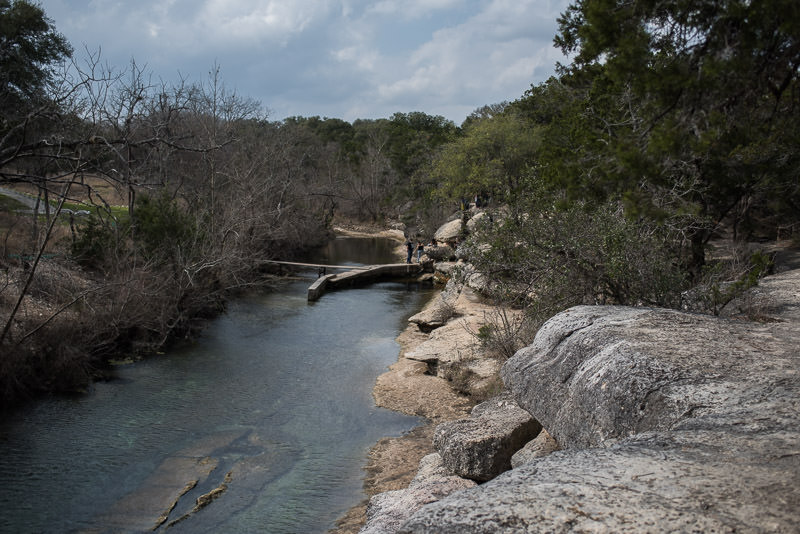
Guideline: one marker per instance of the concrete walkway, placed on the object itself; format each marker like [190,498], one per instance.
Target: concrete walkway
[361,275]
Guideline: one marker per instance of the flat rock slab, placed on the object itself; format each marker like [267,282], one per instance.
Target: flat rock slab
[408,388]
[646,485]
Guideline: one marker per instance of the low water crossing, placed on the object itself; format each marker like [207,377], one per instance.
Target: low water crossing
[270,411]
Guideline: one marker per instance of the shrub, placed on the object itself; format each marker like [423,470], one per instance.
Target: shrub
[547,259]
[96,240]
[161,227]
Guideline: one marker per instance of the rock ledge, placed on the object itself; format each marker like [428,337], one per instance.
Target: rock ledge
[668,421]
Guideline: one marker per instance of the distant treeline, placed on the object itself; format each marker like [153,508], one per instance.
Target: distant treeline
[674,124]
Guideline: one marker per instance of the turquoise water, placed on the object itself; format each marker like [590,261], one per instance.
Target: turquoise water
[276,395]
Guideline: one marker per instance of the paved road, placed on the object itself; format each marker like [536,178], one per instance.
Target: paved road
[24,199]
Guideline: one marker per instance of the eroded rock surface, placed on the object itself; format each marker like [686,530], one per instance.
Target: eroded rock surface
[540,446]
[389,510]
[671,422]
[449,232]
[439,310]
[480,446]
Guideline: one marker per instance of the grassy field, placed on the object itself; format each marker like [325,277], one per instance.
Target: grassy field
[17,227]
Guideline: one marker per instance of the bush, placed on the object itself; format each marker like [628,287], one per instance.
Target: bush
[96,240]
[725,280]
[547,259]
[162,228]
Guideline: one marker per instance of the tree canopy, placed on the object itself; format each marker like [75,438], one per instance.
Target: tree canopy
[687,106]
[30,46]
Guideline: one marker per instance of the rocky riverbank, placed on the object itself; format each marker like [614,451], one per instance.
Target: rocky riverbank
[440,373]
[666,421]
[417,384]
[613,419]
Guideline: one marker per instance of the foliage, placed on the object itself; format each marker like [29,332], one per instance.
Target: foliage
[96,241]
[724,281]
[545,258]
[160,226]
[505,333]
[491,159]
[684,109]
[30,48]
[414,137]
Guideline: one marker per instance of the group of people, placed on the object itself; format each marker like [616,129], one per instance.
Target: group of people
[419,249]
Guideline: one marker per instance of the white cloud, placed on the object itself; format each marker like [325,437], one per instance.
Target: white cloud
[338,58]
[410,8]
[274,20]
[493,55]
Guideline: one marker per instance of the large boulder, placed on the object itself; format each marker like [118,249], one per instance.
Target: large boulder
[670,422]
[440,253]
[453,342]
[449,232]
[596,373]
[480,447]
[439,310]
[476,220]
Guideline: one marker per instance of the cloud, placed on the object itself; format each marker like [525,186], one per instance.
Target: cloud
[492,55]
[339,58]
[411,9]
[245,20]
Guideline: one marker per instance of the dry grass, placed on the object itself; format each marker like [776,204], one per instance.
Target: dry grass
[17,236]
[93,187]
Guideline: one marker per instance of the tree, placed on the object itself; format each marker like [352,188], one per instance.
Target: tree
[413,138]
[30,48]
[491,159]
[689,110]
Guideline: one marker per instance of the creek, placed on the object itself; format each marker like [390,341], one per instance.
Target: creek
[270,412]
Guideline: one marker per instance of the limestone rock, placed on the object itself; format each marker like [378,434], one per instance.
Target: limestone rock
[475,220]
[408,388]
[439,310]
[449,232]
[540,446]
[596,373]
[387,511]
[440,252]
[480,447]
[647,484]
[445,267]
[670,422]
[453,342]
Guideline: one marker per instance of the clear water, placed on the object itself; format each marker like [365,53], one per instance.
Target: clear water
[277,392]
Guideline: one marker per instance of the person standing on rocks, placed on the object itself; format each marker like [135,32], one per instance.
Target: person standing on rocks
[409,249]
[420,250]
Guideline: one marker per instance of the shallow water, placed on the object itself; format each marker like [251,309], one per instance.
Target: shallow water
[276,395]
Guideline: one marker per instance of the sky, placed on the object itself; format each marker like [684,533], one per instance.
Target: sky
[347,59]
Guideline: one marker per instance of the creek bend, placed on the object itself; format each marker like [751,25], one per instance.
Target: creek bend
[270,412]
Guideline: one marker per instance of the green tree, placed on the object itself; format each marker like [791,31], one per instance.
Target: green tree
[491,159]
[687,110]
[30,47]
[413,138]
